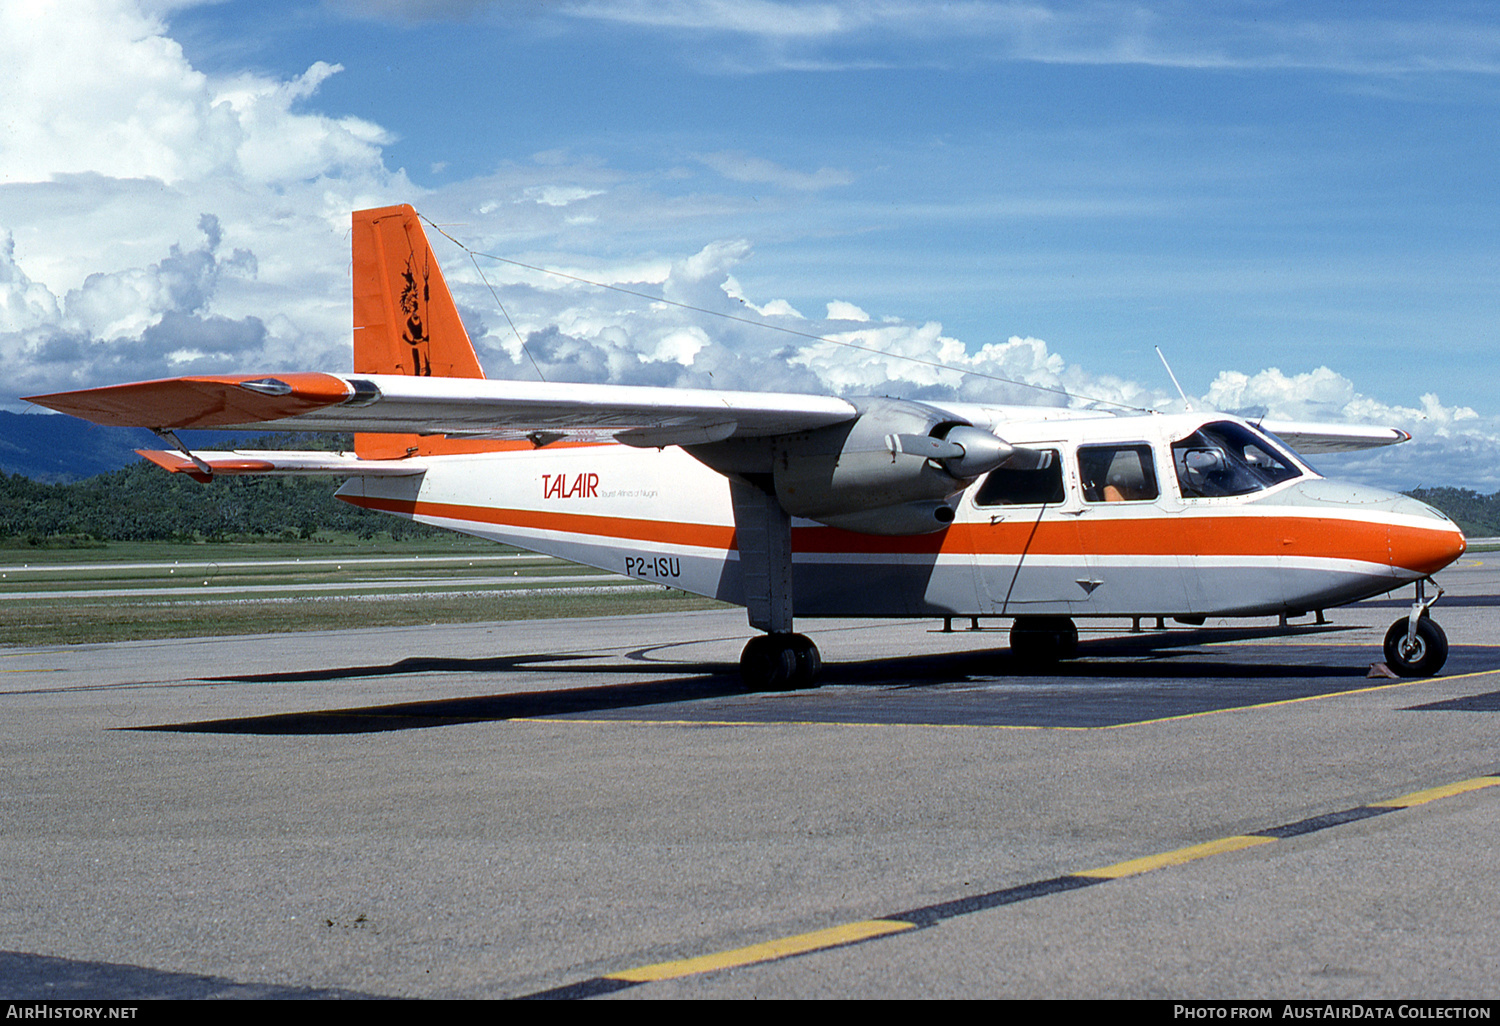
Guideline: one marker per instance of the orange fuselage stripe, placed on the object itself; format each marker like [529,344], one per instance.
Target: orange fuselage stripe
[1228,536]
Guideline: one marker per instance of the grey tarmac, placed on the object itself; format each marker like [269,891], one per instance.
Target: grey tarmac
[499,810]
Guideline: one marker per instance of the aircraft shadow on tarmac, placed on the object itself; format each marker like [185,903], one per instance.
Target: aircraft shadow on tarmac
[30,977]
[1115,681]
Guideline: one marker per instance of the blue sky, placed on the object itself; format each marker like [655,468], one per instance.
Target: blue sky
[1295,201]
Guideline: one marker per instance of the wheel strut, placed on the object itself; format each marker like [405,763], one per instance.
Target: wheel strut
[1416,646]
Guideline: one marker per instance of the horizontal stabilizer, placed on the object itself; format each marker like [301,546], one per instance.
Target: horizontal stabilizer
[279,462]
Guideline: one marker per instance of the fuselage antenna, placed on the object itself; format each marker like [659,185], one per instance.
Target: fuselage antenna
[1168,366]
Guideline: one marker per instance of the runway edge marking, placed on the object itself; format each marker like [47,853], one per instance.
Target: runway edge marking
[865,930]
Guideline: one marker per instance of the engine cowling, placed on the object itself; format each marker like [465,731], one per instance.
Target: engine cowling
[898,468]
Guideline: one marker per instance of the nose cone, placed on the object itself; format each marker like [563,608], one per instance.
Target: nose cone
[1422,539]
[1426,550]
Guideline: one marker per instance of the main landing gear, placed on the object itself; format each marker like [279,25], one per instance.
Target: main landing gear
[780,662]
[1043,640]
[1415,646]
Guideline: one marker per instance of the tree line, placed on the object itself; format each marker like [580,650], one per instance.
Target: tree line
[1478,515]
[142,502]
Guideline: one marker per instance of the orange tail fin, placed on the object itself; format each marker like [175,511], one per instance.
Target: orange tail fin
[405,320]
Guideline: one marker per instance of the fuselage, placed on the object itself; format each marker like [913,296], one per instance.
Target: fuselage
[1181,515]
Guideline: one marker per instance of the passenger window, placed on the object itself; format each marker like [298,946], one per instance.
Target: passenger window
[1117,473]
[1032,487]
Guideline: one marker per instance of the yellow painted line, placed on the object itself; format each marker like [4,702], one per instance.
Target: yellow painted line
[1432,794]
[852,933]
[1174,858]
[1462,676]
[1403,683]
[769,951]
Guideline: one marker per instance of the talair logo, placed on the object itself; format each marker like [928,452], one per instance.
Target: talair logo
[561,486]
[414,301]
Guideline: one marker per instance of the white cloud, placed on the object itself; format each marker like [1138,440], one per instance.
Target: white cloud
[738,166]
[1450,444]
[559,195]
[838,310]
[1422,39]
[154,216]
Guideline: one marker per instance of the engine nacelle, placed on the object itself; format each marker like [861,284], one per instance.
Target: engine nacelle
[896,469]
[907,518]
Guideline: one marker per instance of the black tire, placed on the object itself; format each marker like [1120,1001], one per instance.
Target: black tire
[809,661]
[1043,640]
[1427,654]
[768,663]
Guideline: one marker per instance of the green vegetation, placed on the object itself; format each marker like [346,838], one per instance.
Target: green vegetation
[1478,515]
[143,503]
[133,590]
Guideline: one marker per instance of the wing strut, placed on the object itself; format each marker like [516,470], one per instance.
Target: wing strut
[170,436]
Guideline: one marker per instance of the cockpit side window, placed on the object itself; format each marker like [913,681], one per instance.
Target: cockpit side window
[1228,459]
[1042,484]
[1117,473]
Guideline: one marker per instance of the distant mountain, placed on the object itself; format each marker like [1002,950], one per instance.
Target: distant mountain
[56,449]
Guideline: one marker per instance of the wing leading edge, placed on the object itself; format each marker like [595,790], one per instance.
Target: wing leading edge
[456,407]
[1324,438]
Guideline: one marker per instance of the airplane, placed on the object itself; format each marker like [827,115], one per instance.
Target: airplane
[819,506]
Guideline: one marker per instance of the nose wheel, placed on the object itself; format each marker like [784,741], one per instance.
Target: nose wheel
[1415,646]
[780,662]
[1419,653]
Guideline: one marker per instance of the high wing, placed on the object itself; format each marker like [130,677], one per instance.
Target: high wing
[1323,438]
[455,407]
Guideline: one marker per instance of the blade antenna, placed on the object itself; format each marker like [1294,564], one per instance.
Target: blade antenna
[1168,366]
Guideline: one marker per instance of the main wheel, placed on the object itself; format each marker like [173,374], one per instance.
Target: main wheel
[767,665]
[1426,654]
[1043,640]
[809,661]
[780,662]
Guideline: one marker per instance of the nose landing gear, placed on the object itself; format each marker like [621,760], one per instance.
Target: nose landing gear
[1415,646]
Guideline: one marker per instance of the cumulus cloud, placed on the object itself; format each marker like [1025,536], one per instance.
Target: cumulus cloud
[1450,444]
[130,324]
[723,337]
[157,218]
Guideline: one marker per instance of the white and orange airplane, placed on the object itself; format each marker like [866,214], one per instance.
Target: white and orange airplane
[806,505]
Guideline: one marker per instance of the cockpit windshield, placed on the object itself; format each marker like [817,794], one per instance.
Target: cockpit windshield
[1225,458]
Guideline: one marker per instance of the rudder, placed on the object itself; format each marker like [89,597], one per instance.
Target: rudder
[405,320]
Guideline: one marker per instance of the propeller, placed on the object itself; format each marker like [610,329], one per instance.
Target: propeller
[966,452]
